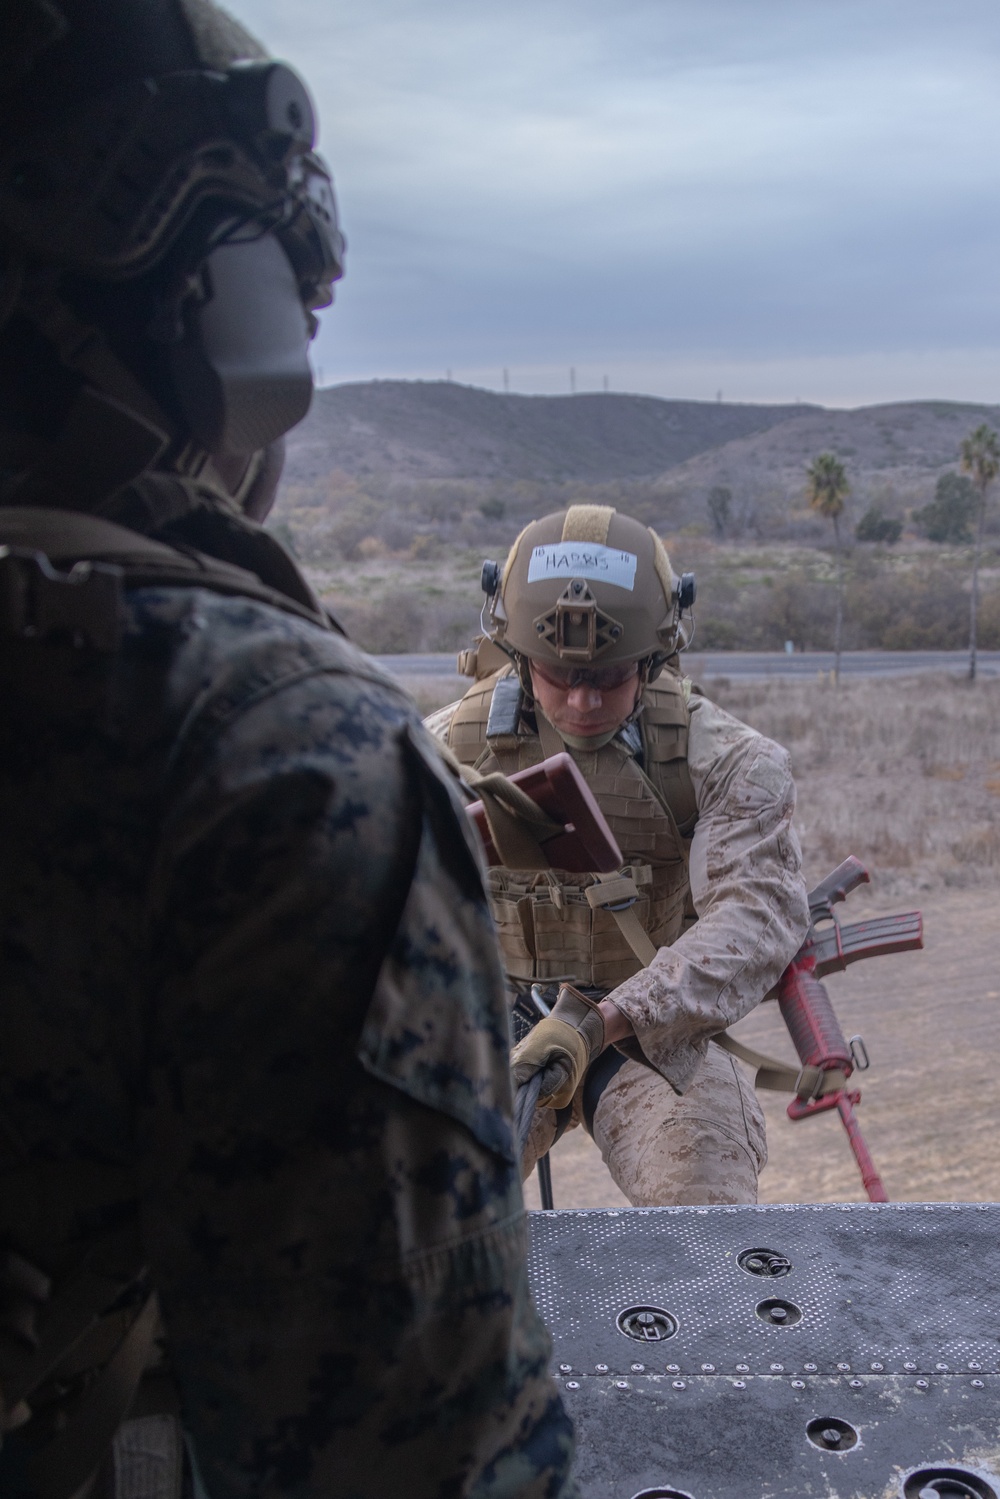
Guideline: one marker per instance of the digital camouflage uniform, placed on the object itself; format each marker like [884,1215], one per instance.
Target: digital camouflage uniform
[253,1036]
[678,1122]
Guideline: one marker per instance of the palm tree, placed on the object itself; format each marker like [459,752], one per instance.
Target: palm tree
[827,490]
[981,461]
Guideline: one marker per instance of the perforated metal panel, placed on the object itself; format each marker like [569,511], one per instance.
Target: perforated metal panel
[888,1321]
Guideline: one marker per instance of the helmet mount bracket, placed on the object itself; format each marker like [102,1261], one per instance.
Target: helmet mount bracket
[577,629]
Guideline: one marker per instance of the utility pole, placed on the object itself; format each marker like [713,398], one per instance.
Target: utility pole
[447,376]
[605,385]
[572,381]
[506,382]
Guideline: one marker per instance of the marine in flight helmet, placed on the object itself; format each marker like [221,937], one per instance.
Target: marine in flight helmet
[587,588]
[167,234]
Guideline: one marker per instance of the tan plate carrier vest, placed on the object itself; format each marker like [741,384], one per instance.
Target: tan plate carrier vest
[553,925]
[602,929]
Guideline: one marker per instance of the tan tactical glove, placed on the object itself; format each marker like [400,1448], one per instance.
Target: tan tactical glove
[561,1047]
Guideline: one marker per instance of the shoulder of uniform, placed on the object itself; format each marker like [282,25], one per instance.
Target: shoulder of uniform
[718,736]
[239,666]
[466,729]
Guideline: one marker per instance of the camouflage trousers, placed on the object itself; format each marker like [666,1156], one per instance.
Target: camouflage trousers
[662,1149]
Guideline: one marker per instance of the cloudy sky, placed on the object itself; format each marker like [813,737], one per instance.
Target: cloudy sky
[775,199]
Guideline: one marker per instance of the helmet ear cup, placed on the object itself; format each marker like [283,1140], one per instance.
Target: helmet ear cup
[240,370]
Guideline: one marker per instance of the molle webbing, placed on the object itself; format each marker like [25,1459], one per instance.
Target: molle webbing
[664,724]
[551,924]
[467,731]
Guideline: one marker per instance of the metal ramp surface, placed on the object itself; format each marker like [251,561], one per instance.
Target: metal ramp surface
[842,1351]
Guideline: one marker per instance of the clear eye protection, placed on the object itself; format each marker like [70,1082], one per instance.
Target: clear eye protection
[603,678]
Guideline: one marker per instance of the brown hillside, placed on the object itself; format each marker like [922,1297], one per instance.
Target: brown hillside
[431,454]
[441,430]
[902,446]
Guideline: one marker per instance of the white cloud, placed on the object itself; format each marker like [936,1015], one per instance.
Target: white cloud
[551,180]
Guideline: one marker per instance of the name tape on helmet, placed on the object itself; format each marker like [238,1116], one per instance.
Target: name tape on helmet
[580,559]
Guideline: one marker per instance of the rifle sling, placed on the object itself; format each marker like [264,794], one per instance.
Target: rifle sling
[806,1083]
[772,1075]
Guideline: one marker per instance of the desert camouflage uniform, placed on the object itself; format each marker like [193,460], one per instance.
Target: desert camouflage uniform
[253,1026]
[679,1121]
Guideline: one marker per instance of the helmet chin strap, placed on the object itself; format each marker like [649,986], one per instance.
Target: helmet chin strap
[590,741]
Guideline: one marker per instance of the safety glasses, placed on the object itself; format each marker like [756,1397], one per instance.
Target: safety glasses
[602,678]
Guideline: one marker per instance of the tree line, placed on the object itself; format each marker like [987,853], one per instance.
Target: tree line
[959,501]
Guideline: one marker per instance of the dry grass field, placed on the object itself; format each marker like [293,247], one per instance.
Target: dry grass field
[904,773]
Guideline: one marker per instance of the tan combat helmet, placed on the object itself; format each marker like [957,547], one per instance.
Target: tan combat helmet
[588,585]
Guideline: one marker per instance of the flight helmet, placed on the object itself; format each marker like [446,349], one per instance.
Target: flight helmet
[167,229]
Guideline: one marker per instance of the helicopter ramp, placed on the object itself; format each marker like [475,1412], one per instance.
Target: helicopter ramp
[838,1351]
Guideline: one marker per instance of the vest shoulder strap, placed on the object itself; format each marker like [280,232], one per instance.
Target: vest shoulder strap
[665,724]
[65,571]
[467,733]
[488,716]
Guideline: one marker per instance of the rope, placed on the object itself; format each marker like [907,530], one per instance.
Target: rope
[525,1103]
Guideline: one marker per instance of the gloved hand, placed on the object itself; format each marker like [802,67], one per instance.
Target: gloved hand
[561,1047]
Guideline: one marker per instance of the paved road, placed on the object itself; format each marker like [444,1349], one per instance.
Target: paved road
[756,665]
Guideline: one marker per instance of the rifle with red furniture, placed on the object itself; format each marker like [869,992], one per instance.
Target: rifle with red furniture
[828,1058]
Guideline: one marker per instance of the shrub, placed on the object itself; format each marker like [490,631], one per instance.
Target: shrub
[950,514]
[875,526]
[350,526]
[410,622]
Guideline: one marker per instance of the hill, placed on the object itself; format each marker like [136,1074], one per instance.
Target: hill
[396,490]
[902,446]
[395,459]
[441,430]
